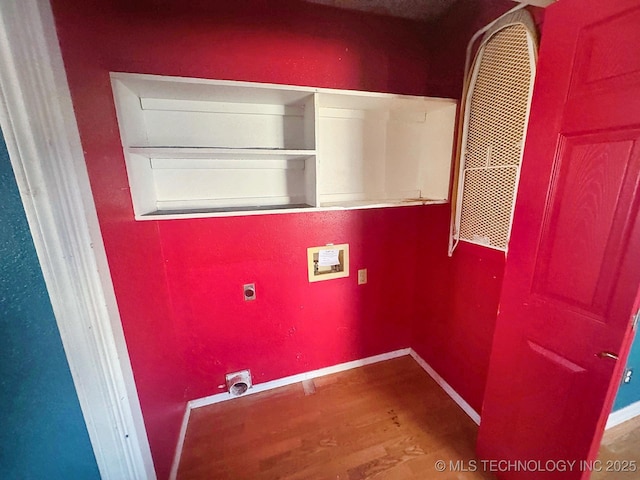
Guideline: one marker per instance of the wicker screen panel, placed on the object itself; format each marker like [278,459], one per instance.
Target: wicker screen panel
[496,117]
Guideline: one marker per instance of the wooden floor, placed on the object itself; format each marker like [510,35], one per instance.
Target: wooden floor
[620,446]
[385,421]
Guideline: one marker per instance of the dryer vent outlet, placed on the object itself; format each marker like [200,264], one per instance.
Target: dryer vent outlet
[239,382]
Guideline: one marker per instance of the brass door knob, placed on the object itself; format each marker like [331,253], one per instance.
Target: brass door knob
[610,355]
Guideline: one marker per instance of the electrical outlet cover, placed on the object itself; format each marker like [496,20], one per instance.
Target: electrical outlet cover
[362,276]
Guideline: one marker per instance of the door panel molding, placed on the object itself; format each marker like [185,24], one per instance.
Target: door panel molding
[598,65]
[577,213]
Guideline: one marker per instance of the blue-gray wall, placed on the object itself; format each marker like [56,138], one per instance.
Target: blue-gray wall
[630,392]
[42,432]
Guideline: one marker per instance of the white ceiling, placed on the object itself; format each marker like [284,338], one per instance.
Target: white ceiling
[425,10]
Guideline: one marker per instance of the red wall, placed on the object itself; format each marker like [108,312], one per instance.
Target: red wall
[454,325]
[293,326]
[456,314]
[179,282]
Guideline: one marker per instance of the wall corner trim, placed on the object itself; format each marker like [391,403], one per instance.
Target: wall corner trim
[183,434]
[455,396]
[37,119]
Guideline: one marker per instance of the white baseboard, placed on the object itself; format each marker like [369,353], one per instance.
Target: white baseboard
[281,382]
[622,415]
[455,396]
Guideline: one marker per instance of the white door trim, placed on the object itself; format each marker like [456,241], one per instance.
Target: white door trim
[39,126]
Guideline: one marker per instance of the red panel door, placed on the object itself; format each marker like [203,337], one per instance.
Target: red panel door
[573,268]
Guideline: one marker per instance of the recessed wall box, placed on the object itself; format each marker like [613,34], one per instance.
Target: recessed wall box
[328,262]
[249,291]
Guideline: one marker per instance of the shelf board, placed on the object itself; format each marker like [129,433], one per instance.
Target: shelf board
[354,204]
[175,214]
[233,209]
[221,153]
[225,211]
[288,163]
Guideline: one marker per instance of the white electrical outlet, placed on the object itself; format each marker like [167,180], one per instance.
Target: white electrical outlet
[362,276]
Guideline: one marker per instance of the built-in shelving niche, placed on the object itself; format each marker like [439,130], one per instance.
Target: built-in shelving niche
[196,147]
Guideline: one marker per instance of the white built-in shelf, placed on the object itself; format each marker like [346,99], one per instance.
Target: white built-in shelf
[198,148]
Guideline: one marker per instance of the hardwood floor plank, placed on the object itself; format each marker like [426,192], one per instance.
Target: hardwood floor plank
[619,454]
[384,421]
